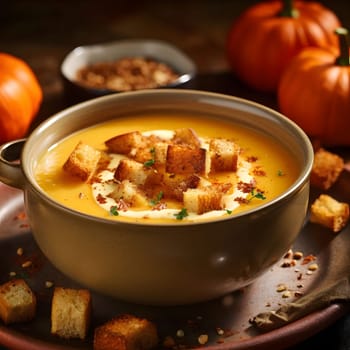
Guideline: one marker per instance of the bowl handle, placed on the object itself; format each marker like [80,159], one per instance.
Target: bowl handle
[10,167]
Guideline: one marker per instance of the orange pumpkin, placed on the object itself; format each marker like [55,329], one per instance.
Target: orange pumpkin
[20,97]
[314,91]
[267,35]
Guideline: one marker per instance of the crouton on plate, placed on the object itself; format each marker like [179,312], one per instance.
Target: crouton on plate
[329,212]
[126,332]
[70,312]
[326,169]
[17,302]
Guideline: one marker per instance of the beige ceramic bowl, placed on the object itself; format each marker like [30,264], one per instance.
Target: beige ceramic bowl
[157,50]
[164,264]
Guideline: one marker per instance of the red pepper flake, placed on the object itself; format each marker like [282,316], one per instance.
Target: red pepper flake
[101,199]
[308,259]
[122,205]
[241,200]
[159,206]
[258,171]
[246,187]
[252,159]
[20,216]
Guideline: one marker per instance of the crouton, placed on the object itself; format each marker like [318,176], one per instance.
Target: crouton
[326,169]
[82,162]
[224,155]
[174,186]
[186,160]
[17,302]
[200,201]
[126,332]
[129,193]
[126,143]
[329,212]
[186,136]
[129,169]
[204,199]
[70,312]
[154,155]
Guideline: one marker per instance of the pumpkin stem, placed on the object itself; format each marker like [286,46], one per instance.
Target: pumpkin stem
[343,59]
[288,10]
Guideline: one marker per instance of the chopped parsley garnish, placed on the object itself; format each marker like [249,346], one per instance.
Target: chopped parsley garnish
[258,195]
[280,173]
[228,211]
[157,199]
[181,214]
[114,210]
[151,161]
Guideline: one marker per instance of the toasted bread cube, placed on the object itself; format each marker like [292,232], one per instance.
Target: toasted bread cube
[186,136]
[186,160]
[126,143]
[224,155]
[174,186]
[129,193]
[70,312]
[129,169]
[82,162]
[327,211]
[326,169]
[200,201]
[17,302]
[156,152]
[126,332]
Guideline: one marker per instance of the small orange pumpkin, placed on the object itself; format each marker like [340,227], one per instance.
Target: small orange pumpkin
[314,91]
[267,35]
[20,97]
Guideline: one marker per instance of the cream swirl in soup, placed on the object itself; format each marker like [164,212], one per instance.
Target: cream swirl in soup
[105,186]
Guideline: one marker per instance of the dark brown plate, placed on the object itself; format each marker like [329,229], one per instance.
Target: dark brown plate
[230,313]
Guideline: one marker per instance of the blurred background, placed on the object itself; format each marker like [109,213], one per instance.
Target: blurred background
[42,32]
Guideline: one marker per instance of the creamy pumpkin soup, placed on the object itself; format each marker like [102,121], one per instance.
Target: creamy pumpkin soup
[165,168]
